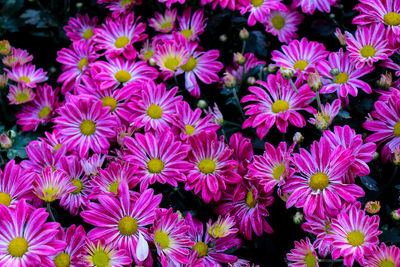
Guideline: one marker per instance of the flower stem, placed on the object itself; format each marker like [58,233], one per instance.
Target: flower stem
[235,96]
[52,218]
[318,101]
[294,86]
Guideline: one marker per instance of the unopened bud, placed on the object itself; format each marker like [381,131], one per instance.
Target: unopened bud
[385,82]
[79,5]
[334,72]
[298,137]
[229,80]
[395,214]
[201,103]
[341,37]
[271,68]
[152,62]
[331,16]
[12,134]
[223,38]
[396,157]
[287,74]
[5,141]
[244,34]
[372,207]
[321,121]
[251,80]
[5,47]
[239,58]
[298,218]
[3,80]
[375,156]
[314,81]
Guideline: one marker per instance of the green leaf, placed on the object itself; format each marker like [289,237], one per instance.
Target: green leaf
[369,183]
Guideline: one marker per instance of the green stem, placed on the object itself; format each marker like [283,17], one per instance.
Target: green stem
[52,218]
[294,86]
[318,101]
[243,46]
[327,260]
[238,102]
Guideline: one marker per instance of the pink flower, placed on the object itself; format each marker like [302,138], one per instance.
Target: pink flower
[41,155]
[283,24]
[260,9]
[170,2]
[320,227]
[309,6]
[17,57]
[242,151]
[164,23]
[81,27]
[75,239]
[384,255]
[26,75]
[19,94]
[191,26]
[303,255]
[325,117]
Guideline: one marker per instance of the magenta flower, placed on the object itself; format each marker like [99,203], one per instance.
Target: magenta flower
[283,24]
[309,6]
[320,227]
[17,57]
[303,254]
[260,9]
[26,75]
[384,255]
[75,239]
[20,95]
[323,119]
[191,26]
[81,27]
[242,151]
[164,23]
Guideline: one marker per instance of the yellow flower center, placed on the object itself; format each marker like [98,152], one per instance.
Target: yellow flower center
[355,238]
[127,2]
[121,42]
[166,24]
[162,238]
[25,79]
[277,171]
[21,97]
[109,101]
[278,22]
[250,202]
[5,199]
[328,227]
[44,112]
[88,34]
[280,106]
[207,166]
[300,64]
[82,63]
[148,54]
[62,260]
[100,259]
[114,187]
[190,65]
[387,263]
[310,259]
[57,147]
[341,78]
[155,166]
[367,51]
[189,129]
[201,248]
[172,63]
[392,18]
[154,111]
[50,194]
[87,127]
[127,226]
[78,185]
[257,3]
[319,181]
[396,129]
[187,33]
[122,76]
[18,247]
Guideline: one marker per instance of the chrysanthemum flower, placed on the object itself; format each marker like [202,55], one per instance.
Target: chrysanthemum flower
[260,9]
[26,75]
[26,238]
[118,35]
[369,45]
[384,256]
[223,227]
[309,6]
[242,151]
[39,111]
[211,166]
[347,81]
[147,51]
[303,255]
[121,221]
[164,23]
[363,153]
[217,117]
[272,168]
[75,239]
[191,26]
[239,71]
[119,7]
[354,235]
[92,165]
[84,123]
[101,253]
[318,185]
[300,56]
[320,227]
[231,4]
[119,71]
[41,155]
[17,56]
[80,28]
[278,103]
[169,235]
[15,184]
[20,95]
[75,60]
[157,158]
[283,24]
[154,107]
[328,112]
[247,204]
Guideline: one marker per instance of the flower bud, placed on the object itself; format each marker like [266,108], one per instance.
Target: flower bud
[251,80]
[287,74]
[284,197]
[298,218]
[229,80]
[385,82]
[375,156]
[152,62]
[321,121]
[314,81]
[244,34]
[5,47]
[341,37]
[239,58]
[331,16]
[395,214]
[372,207]
[396,157]
[79,5]
[12,134]
[223,38]
[5,141]
[334,72]
[201,103]
[298,137]
[271,68]
[3,80]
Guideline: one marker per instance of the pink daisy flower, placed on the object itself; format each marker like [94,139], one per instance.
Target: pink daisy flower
[211,166]
[119,71]
[247,204]
[283,24]
[26,238]
[369,45]
[41,155]
[40,110]
[231,4]
[26,75]
[75,62]
[169,235]
[170,2]
[320,227]
[120,221]
[191,26]
[154,107]
[239,71]
[81,27]
[84,123]
[157,158]
[91,166]
[300,56]
[260,9]
[75,239]
[276,102]
[324,118]
[317,185]
[242,151]
[384,256]
[303,255]
[118,35]
[309,6]
[347,81]
[354,236]
[223,227]
[164,23]
[147,51]
[119,7]
[272,168]
[363,153]
[17,57]
[19,94]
